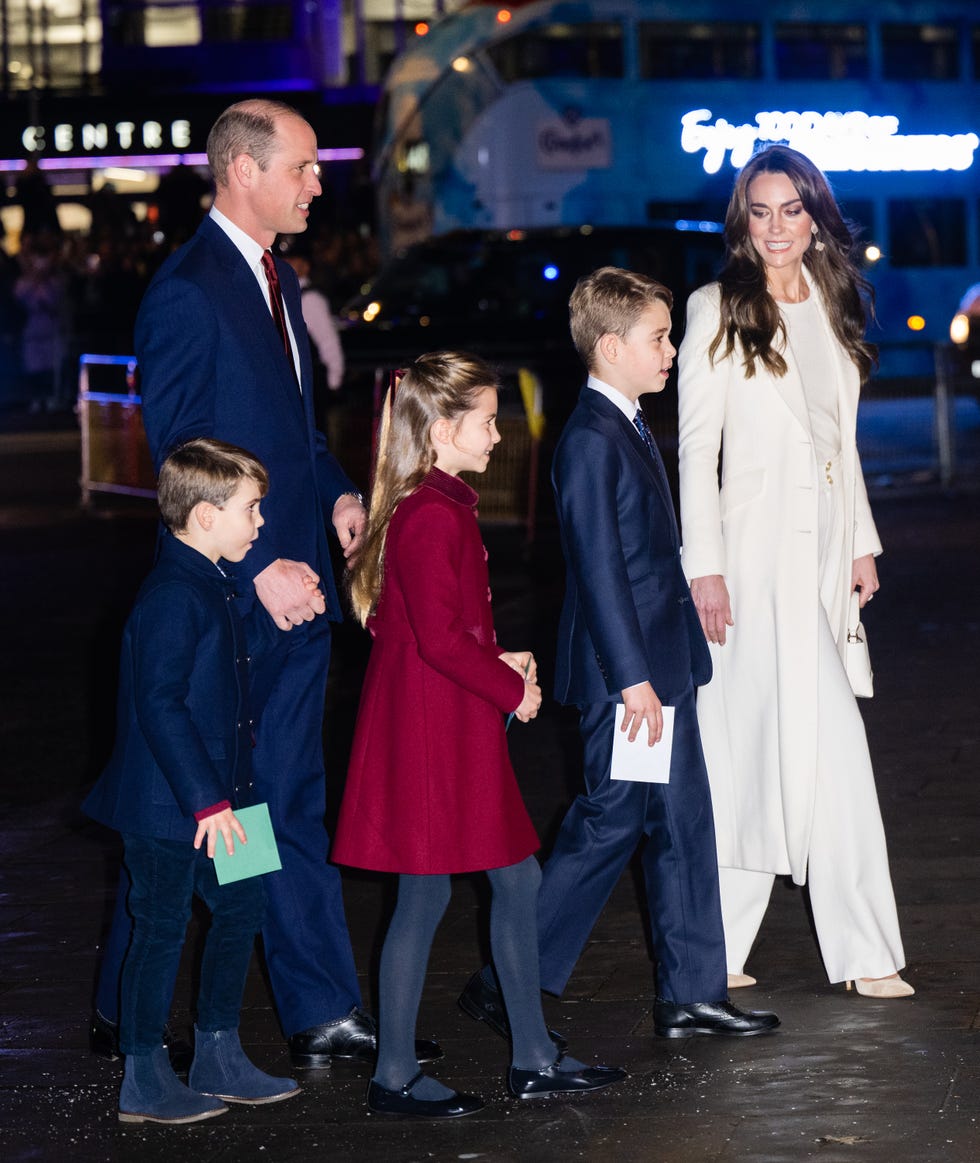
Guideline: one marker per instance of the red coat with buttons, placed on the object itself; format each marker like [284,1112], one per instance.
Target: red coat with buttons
[430,787]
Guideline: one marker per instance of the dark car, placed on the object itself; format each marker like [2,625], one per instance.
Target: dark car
[504,294]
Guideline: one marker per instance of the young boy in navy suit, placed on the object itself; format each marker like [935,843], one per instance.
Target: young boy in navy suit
[180,766]
[629,636]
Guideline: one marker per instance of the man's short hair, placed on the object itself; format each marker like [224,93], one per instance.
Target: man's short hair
[610,301]
[204,469]
[247,127]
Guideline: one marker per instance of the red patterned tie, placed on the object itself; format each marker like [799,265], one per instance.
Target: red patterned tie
[278,308]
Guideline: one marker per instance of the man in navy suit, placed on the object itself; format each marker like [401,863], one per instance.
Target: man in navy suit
[629,642]
[221,354]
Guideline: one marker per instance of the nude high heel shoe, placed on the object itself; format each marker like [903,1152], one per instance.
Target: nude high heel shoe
[740,980]
[883,987]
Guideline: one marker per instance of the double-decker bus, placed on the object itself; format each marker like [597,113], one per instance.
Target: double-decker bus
[632,112]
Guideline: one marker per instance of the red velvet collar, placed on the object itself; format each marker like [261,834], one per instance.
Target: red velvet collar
[451,487]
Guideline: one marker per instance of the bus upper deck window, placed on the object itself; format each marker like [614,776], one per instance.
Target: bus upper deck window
[592,50]
[920,52]
[821,52]
[672,49]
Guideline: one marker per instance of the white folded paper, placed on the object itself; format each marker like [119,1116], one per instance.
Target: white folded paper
[638,761]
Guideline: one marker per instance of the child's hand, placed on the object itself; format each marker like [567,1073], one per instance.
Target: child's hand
[317,600]
[225,822]
[643,706]
[530,703]
[523,661]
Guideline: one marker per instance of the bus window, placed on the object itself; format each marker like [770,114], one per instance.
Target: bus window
[234,22]
[927,232]
[822,52]
[561,50]
[920,52]
[859,214]
[670,49]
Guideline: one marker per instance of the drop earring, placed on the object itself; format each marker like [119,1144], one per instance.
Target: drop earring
[817,244]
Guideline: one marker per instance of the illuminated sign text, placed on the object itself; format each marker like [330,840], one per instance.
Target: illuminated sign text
[833,141]
[101,135]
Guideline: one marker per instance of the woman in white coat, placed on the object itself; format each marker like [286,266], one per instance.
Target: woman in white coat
[770,370]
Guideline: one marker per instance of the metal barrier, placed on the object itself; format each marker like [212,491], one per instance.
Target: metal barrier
[115,456]
[922,428]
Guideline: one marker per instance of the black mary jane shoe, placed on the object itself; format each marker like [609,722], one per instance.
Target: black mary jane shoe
[351,1039]
[553,1080]
[401,1104]
[483,1003]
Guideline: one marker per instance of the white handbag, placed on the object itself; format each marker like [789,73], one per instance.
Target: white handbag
[857,660]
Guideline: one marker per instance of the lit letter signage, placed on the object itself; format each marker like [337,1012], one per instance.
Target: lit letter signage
[833,141]
[98,136]
[152,135]
[95,136]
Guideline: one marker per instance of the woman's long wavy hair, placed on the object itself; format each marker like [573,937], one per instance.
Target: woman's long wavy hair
[440,385]
[749,313]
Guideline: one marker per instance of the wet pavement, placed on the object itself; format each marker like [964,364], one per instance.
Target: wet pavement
[845,1079]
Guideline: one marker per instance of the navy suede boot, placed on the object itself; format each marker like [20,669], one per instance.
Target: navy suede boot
[152,1093]
[220,1068]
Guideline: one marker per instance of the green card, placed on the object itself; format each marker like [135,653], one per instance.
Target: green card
[258,856]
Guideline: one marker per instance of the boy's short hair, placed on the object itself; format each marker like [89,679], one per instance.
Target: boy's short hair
[204,469]
[609,301]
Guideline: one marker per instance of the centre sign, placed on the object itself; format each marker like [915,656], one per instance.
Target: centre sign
[118,136]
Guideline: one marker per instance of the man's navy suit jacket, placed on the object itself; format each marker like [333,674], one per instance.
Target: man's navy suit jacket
[212,364]
[628,614]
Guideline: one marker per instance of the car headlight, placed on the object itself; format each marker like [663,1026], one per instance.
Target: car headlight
[959,329]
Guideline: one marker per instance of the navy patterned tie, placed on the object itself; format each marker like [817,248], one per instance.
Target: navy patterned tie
[640,422]
[641,425]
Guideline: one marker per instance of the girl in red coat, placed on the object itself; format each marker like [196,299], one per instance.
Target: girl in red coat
[431,791]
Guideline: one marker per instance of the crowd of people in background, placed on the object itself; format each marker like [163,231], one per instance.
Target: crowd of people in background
[66,293]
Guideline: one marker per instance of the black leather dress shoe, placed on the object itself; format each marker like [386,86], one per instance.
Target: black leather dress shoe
[538,1083]
[351,1039]
[483,1003]
[401,1103]
[706,1017]
[103,1037]
[103,1041]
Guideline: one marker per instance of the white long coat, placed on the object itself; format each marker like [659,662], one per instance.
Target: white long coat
[758,715]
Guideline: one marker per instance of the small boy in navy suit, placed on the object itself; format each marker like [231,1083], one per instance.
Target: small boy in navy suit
[629,642]
[180,766]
